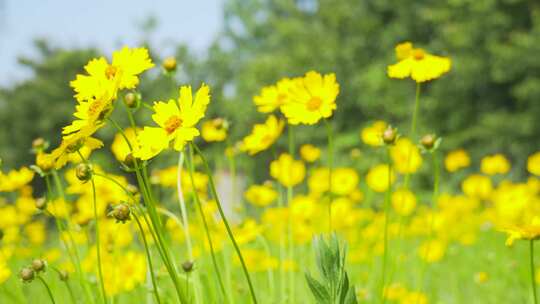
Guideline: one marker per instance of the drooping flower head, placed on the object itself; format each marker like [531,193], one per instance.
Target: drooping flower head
[176,122]
[73,143]
[263,135]
[122,73]
[311,98]
[417,64]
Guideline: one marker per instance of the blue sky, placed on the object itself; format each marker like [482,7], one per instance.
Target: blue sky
[106,24]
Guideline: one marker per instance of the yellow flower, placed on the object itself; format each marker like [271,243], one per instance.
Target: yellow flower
[36,232]
[414,297]
[344,181]
[377,178]
[432,251]
[257,260]
[457,159]
[372,135]
[406,156]
[72,143]
[176,124]
[310,153]
[120,148]
[394,291]
[529,231]
[311,98]
[214,130]
[122,73]
[495,164]
[417,64]
[403,202]
[261,195]
[477,186]
[273,97]
[287,170]
[5,272]
[262,135]
[481,277]
[533,164]
[15,179]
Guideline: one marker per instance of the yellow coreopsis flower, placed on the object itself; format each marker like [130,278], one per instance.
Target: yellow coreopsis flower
[417,64]
[214,130]
[262,135]
[120,147]
[403,202]
[406,156]
[523,232]
[261,195]
[176,122]
[5,272]
[311,98]
[456,160]
[273,97]
[310,153]
[432,251]
[344,181]
[533,164]
[15,179]
[377,178]
[72,143]
[372,135]
[414,297]
[495,164]
[288,171]
[122,73]
[477,186]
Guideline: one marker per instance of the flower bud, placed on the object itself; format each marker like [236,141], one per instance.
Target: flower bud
[41,203]
[121,213]
[169,64]
[83,171]
[132,100]
[389,135]
[428,141]
[39,265]
[129,160]
[187,266]
[132,189]
[63,275]
[27,274]
[39,144]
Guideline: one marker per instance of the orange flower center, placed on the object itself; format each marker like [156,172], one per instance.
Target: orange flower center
[418,54]
[314,104]
[173,123]
[111,71]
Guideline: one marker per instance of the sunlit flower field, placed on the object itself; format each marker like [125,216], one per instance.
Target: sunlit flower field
[319,229]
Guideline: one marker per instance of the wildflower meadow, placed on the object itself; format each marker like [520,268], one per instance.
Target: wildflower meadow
[156,200]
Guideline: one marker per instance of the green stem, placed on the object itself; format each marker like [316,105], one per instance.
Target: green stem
[46,287]
[533,276]
[226,222]
[330,169]
[290,193]
[98,245]
[205,224]
[386,224]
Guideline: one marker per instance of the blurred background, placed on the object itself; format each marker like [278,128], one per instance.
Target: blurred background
[489,102]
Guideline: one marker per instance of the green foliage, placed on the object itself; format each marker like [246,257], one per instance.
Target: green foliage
[334,286]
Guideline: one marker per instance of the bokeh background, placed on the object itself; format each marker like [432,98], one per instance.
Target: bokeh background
[489,102]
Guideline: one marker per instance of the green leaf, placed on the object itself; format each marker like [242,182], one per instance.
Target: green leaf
[319,291]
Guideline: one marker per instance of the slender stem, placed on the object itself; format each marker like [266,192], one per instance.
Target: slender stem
[330,169]
[290,235]
[386,224]
[149,258]
[98,245]
[533,276]
[205,224]
[226,222]
[182,205]
[47,287]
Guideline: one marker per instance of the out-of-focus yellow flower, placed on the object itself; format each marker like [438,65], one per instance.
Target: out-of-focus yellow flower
[495,164]
[214,130]
[529,231]
[481,277]
[414,297]
[122,73]
[15,179]
[372,135]
[274,96]
[533,164]
[261,195]
[247,232]
[311,98]
[394,291]
[406,156]
[176,122]
[403,202]
[378,178]
[344,181]
[310,153]
[36,232]
[432,251]
[288,171]
[417,64]
[119,146]
[457,159]
[262,135]
[5,272]
[257,260]
[477,186]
